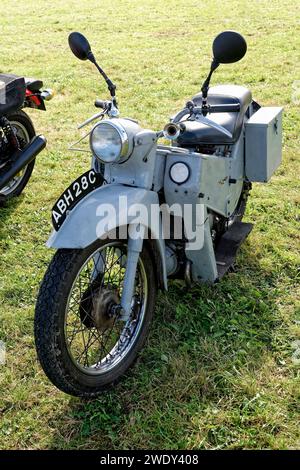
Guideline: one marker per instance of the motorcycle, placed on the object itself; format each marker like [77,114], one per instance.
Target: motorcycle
[146,213]
[19,144]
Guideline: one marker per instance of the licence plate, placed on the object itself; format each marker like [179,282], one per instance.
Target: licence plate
[82,186]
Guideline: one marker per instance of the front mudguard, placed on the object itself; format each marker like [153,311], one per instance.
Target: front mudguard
[83,224]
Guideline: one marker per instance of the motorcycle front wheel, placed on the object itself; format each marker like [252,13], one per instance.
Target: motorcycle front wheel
[84,347]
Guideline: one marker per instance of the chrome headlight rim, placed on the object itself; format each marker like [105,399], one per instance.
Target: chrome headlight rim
[123,137]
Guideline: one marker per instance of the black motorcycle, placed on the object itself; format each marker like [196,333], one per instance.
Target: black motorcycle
[19,144]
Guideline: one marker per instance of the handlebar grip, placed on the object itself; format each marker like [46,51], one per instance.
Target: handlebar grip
[224,108]
[101,104]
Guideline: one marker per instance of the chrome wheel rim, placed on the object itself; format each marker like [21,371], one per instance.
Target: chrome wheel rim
[21,132]
[96,345]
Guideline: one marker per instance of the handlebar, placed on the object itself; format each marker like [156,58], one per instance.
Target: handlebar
[101,104]
[223,108]
[213,108]
[191,109]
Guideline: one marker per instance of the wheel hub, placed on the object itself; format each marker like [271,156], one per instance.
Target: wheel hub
[102,304]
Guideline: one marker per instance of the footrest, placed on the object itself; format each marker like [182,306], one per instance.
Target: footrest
[229,244]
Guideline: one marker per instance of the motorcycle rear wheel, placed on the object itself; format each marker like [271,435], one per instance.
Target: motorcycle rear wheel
[24,129]
[82,349]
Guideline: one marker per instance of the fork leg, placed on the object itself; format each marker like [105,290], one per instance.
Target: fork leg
[135,246]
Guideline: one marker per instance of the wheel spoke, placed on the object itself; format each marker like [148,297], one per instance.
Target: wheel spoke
[93,345]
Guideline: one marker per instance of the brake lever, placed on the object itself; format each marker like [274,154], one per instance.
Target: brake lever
[208,122]
[196,112]
[91,119]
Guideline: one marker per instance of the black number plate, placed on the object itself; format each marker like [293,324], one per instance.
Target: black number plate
[73,194]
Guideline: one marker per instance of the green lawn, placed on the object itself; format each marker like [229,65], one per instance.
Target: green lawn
[219,370]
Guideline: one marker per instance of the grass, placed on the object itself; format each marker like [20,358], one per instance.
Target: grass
[219,370]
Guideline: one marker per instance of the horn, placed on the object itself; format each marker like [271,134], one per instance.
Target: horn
[172,131]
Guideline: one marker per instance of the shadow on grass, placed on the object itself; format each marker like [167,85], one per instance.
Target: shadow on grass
[205,349]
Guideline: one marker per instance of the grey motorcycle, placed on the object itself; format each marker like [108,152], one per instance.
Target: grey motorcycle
[98,295]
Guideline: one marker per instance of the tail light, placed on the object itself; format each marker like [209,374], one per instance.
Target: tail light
[33,98]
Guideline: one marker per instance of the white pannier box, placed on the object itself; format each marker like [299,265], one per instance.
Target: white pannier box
[263,144]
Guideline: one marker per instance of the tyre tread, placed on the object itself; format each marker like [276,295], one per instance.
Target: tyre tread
[50,298]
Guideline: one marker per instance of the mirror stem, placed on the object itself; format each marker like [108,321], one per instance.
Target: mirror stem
[111,86]
[205,86]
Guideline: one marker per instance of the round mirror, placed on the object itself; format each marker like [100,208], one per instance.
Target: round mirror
[79,45]
[229,47]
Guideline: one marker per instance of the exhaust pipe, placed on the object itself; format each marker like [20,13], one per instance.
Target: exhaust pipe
[21,158]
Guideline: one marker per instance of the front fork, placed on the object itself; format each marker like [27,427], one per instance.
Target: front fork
[136,234]
[135,245]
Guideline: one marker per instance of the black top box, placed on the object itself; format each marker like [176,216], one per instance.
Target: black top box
[12,93]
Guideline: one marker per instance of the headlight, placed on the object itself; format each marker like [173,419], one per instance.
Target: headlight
[109,142]
[179,172]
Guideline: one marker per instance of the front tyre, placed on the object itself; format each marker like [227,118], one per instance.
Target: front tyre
[81,343]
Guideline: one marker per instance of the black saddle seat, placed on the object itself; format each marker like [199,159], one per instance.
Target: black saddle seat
[33,85]
[197,133]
